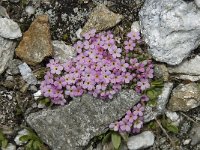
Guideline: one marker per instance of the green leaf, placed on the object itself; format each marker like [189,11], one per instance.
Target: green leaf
[124,136]
[25,138]
[116,140]
[152,125]
[151,94]
[169,126]
[37,145]
[172,128]
[4,143]
[106,138]
[29,146]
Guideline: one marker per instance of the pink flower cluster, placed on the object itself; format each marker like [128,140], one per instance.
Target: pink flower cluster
[133,121]
[101,67]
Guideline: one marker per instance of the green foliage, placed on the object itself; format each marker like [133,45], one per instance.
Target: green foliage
[3,140]
[45,101]
[33,142]
[154,92]
[114,137]
[116,140]
[152,125]
[166,123]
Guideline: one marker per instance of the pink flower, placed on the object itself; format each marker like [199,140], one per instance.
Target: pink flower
[125,125]
[56,69]
[129,45]
[143,84]
[89,34]
[134,35]
[114,126]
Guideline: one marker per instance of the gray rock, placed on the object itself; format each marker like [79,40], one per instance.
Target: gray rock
[14,1]
[3,12]
[19,135]
[174,117]
[135,26]
[188,67]
[161,72]
[7,48]
[13,66]
[30,10]
[101,19]
[9,29]
[185,97]
[195,135]
[141,141]
[62,51]
[197,2]
[171,29]
[71,127]
[187,77]
[150,113]
[27,74]
[10,146]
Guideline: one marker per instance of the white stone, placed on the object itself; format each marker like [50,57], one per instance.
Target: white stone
[186,142]
[141,141]
[174,117]
[7,48]
[197,2]
[78,33]
[20,134]
[10,146]
[27,74]
[62,51]
[9,29]
[37,95]
[30,10]
[170,28]
[135,26]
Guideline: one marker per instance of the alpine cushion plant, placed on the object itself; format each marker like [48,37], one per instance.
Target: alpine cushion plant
[102,67]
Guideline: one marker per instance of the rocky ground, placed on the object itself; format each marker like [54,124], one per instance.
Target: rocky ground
[33,31]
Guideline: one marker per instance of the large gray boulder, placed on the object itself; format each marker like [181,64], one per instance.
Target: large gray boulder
[171,29]
[71,127]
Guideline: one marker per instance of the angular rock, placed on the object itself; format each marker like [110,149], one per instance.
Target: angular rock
[27,74]
[195,135]
[62,51]
[71,127]
[36,42]
[188,67]
[13,67]
[150,113]
[174,117]
[101,19]
[197,2]
[141,141]
[161,72]
[135,26]
[185,97]
[10,146]
[3,12]
[7,48]
[187,77]
[9,29]
[171,29]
